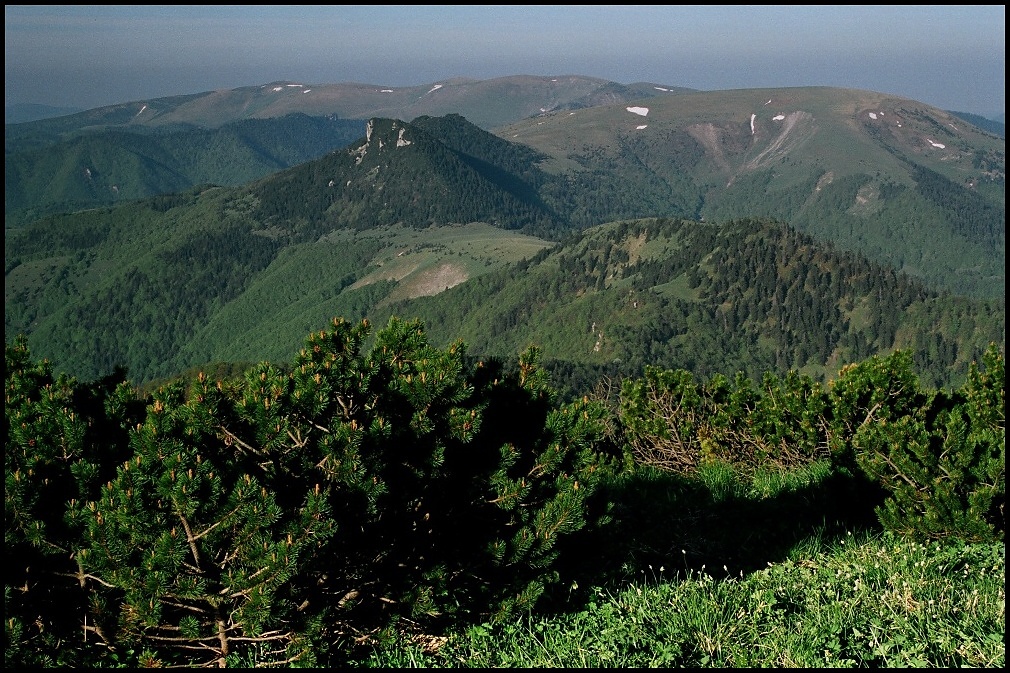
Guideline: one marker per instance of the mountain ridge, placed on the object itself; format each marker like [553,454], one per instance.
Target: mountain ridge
[438,209]
[165,125]
[486,102]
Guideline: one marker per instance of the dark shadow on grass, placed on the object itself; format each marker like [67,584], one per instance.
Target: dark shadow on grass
[680,525]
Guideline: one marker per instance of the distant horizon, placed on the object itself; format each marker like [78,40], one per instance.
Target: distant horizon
[89,56]
[996,116]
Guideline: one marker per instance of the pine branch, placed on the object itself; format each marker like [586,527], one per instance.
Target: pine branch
[232,438]
[190,539]
[210,528]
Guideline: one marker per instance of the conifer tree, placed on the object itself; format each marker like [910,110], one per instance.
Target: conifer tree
[944,464]
[449,483]
[59,438]
[188,543]
[297,508]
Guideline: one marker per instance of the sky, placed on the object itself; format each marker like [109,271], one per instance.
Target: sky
[86,56]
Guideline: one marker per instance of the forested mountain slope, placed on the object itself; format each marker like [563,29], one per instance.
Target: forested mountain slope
[165,285]
[104,167]
[747,295]
[908,185]
[413,209]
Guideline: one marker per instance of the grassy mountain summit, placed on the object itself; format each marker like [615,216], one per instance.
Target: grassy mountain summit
[488,103]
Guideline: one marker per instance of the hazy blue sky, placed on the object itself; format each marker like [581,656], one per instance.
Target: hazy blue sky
[953,57]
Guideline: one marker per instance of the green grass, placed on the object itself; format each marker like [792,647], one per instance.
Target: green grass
[858,601]
[676,583]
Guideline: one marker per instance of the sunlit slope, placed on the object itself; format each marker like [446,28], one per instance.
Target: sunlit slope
[745,295]
[349,274]
[905,183]
[740,131]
